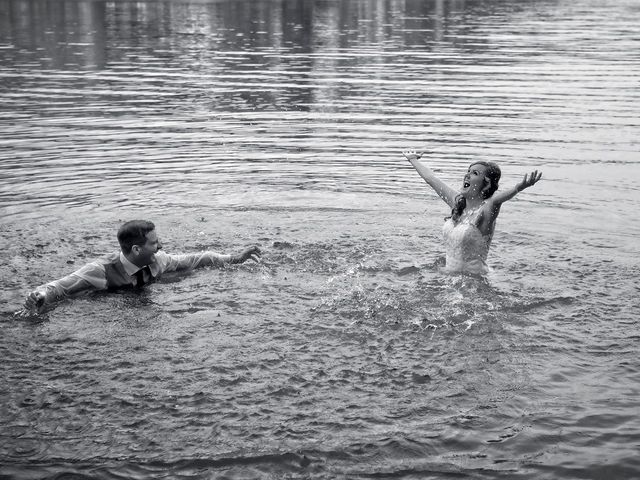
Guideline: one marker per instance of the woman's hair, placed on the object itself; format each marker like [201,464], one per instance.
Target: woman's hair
[492,178]
[458,207]
[133,233]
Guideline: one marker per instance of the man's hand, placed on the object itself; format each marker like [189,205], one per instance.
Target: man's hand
[529,180]
[412,155]
[251,253]
[34,301]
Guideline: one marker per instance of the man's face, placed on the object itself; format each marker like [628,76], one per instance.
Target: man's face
[146,253]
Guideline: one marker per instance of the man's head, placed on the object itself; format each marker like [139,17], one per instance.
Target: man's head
[138,241]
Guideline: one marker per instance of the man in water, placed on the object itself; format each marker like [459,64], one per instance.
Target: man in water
[138,263]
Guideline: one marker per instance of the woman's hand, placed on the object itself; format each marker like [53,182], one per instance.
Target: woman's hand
[412,155]
[529,180]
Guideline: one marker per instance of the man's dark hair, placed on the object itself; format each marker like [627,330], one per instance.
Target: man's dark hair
[133,233]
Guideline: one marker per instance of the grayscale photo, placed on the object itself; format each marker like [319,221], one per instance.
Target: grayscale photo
[319,239]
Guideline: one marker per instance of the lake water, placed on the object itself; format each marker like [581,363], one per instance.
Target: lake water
[346,353]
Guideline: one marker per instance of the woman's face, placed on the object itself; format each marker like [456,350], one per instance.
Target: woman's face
[474,181]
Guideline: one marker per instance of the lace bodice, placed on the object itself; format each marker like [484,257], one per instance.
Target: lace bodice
[466,247]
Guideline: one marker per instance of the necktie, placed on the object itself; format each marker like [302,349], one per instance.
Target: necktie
[140,276]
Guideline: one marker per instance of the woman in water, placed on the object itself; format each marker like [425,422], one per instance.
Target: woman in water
[474,209]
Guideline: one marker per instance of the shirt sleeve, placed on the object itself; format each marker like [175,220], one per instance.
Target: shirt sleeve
[189,261]
[89,278]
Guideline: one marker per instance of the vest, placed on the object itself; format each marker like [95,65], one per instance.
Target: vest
[117,277]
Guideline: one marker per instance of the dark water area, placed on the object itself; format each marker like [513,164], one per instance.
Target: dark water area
[347,352]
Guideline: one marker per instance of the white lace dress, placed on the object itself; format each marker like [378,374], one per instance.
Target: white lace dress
[466,247]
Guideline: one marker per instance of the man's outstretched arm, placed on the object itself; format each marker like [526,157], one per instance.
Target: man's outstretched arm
[189,261]
[87,279]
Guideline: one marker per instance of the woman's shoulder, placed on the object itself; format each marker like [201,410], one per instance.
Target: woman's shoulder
[486,217]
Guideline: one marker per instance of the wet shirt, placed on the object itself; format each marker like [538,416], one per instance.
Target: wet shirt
[466,248]
[93,277]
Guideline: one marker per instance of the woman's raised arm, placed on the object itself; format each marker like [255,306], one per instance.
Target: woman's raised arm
[528,181]
[445,192]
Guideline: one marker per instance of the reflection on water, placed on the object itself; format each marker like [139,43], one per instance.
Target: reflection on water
[190,90]
[347,352]
[89,34]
